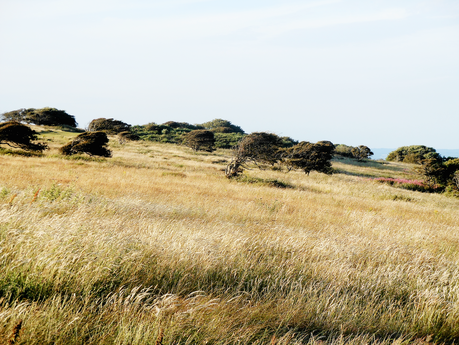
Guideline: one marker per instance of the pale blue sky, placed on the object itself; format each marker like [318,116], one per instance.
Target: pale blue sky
[373,72]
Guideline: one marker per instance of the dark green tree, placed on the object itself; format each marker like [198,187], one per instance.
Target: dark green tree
[361,152]
[44,116]
[91,143]
[432,171]
[436,173]
[413,154]
[310,157]
[343,150]
[123,137]
[257,148]
[200,140]
[17,135]
[109,126]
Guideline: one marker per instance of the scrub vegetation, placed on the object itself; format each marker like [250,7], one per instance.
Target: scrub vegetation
[156,246]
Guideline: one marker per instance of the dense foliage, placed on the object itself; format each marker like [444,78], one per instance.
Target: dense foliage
[222,126]
[127,136]
[440,174]
[413,154]
[44,116]
[360,152]
[268,149]
[17,135]
[91,143]
[257,148]
[174,132]
[310,157]
[200,140]
[109,126]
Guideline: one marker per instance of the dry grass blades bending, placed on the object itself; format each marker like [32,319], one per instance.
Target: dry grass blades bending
[157,246]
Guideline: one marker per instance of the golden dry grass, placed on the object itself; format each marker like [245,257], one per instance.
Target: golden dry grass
[113,251]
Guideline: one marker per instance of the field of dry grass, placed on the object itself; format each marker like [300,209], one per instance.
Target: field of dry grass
[157,240]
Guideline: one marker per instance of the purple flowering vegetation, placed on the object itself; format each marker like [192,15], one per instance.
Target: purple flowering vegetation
[417,185]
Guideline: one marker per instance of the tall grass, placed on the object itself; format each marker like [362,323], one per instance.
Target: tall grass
[100,253]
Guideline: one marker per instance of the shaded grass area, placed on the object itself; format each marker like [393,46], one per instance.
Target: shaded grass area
[17,152]
[262,181]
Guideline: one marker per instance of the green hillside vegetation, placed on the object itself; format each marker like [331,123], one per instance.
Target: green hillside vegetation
[155,245]
[226,134]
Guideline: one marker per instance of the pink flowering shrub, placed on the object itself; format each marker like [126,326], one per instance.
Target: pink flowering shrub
[416,185]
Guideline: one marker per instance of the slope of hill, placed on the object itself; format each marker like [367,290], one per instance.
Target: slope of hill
[156,241]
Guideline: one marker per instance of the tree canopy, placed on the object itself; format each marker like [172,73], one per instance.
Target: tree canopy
[361,152]
[258,147]
[91,143]
[17,135]
[310,157]
[267,148]
[222,126]
[413,154]
[109,126]
[44,116]
[200,140]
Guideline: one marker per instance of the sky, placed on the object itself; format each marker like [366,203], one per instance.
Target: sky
[381,73]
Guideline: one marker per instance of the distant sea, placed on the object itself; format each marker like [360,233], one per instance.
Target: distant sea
[382,153]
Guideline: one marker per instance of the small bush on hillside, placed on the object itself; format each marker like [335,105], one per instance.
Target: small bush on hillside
[263,182]
[127,136]
[435,172]
[413,154]
[227,140]
[343,150]
[17,135]
[109,126]
[175,125]
[361,152]
[200,140]
[218,124]
[91,143]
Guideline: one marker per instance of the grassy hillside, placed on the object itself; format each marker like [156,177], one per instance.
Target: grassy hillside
[156,242]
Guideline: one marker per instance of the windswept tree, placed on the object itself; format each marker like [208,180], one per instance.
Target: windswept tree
[91,143]
[44,116]
[17,135]
[361,152]
[200,140]
[15,115]
[109,126]
[258,148]
[309,157]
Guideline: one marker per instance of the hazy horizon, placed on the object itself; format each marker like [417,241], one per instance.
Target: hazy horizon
[381,74]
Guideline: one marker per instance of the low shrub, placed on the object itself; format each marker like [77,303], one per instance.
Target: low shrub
[415,185]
